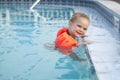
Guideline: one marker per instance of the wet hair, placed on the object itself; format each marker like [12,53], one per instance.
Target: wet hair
[75,16]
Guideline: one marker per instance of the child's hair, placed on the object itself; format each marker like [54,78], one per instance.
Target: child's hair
[75,16]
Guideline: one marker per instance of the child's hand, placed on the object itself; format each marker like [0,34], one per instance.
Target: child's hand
[87,42]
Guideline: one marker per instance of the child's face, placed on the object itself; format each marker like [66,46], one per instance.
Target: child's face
[79,27]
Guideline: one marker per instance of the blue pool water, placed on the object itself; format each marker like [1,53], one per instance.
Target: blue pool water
[23,55]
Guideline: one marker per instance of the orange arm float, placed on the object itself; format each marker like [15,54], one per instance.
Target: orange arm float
[64,42]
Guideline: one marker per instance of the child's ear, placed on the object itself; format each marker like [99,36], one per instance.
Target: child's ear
[70,23]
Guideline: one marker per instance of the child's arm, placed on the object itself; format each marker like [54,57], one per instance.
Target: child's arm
[83,43]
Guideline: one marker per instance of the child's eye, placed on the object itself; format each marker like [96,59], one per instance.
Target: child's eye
[79,26]
[82,27]
[85,28]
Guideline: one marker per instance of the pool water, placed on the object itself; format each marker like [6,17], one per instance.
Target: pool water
[24,57]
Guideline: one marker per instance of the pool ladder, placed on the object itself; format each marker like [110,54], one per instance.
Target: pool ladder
[37,14]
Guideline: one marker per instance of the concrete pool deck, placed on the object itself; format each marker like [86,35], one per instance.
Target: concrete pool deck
[105,52]
[105,57]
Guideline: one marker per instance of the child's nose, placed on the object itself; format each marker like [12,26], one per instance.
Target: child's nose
[81,29]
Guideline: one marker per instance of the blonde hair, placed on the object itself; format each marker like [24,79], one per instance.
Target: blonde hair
[75,16]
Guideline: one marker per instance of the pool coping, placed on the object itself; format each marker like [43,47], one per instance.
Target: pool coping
[111,11]
[114,6]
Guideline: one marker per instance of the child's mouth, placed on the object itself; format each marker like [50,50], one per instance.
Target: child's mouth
[79,33]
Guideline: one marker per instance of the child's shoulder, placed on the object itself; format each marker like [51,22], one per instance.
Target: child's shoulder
[62,30]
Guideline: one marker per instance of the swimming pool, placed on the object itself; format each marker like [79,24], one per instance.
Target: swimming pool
[22,39]
[23,55]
